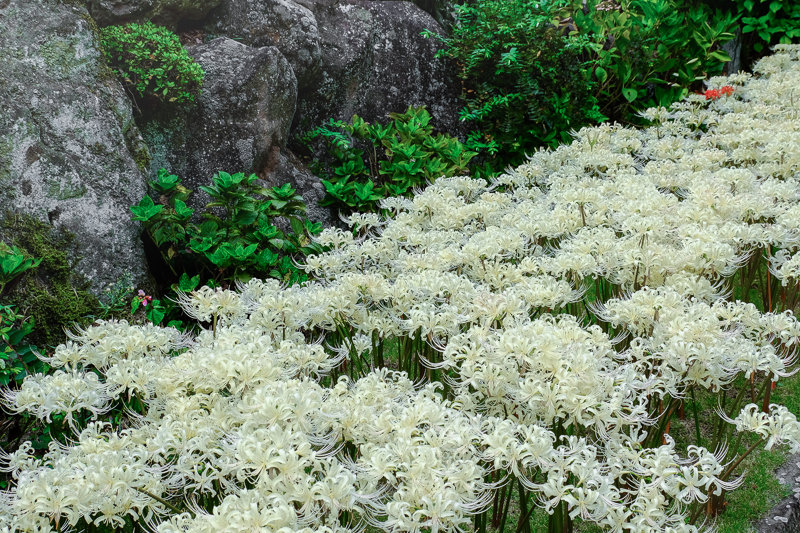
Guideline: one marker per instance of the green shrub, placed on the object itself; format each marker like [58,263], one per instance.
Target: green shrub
[651,52]
[764,23]
[373,161]
[525,83]
[772,20]
[237,239]
[17,357]
[533,71]
[151,62]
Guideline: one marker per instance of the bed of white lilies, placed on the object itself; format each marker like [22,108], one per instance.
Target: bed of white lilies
[486,350]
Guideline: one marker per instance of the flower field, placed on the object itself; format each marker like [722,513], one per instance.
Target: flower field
[488,350]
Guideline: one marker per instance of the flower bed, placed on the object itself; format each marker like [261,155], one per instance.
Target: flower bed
[516,345]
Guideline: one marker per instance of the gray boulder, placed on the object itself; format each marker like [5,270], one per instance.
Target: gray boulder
[239,123]
[70,153]
[288,168]
[374,61]
[172,13]
[284,24]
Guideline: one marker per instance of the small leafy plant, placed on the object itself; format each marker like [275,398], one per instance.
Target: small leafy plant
[235,238]
[374,161]
[166,310]
[17,357]
[114,301]
[13,263]
[151,62]
[771,20]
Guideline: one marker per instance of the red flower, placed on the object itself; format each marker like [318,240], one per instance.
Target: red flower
[713,94]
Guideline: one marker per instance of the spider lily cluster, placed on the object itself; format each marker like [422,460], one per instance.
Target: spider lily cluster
[528,339]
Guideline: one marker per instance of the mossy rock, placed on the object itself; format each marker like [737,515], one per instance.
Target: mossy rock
[52,294]
[70,151]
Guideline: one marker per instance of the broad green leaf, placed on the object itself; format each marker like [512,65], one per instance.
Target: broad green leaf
[155,314]
[165,182]
[241,253]
[245,217]
[186,284]
[219,257]
[223,179]
[297,225]
[145,209]
[200,245]
[265,258]
[720,55]
[629,94]
[182,210]
[9,263]
[624,72]
[278,204]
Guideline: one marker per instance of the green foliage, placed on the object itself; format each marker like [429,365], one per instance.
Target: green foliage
[772,21]
[151,61]
[533,71]
[375,161]
[236,239]
[650,52]
[17,357]
[525,82]
[13,263]
[52,296]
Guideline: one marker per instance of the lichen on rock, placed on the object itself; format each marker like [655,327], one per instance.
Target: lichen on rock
[70,153]
[285,24]
[165,12]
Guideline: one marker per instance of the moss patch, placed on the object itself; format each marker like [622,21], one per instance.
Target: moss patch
[136,146]
[59,55]
[53,295]
[65,190]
